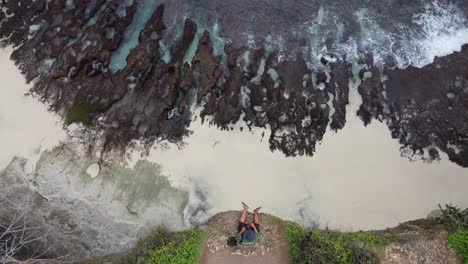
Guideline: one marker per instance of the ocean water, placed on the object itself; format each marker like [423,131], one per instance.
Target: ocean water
[436,30]
[412,33]
[142,15]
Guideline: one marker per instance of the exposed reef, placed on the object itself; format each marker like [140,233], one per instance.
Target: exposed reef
[67,48]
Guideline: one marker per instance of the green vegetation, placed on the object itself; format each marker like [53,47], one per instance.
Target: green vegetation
[81,112]
[325,246]
[455,221]
[98,260]
[77,114]
[163,247]
[294,234]
[459,242]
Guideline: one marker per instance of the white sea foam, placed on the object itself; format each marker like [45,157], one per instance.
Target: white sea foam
[439,30]
[443,30]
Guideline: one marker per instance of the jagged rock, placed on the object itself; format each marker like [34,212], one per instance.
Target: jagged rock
[339,87]
[435,214]
[373,96]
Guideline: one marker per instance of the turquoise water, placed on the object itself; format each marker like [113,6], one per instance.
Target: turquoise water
[165,52]
[191,51]
[91,21]
[143,14]
[94,18]
[217,41]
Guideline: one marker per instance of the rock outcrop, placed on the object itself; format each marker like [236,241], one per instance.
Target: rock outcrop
[424,108]
[271,248]
[86,209]
[422,242]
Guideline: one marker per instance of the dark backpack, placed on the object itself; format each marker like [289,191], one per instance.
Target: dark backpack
[232,241]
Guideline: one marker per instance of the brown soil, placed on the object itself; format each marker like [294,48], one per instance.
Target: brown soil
[271,248]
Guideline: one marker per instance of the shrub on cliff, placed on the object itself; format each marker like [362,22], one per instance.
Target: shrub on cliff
[455,221]
[168,247]
[326,246]
[453,218]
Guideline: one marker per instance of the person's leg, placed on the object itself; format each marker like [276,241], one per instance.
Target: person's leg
[257,219]
[242,226]
[257,216]
[243,217]
[241,229]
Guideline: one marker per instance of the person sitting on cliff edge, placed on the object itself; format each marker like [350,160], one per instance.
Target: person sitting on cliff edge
[247,234]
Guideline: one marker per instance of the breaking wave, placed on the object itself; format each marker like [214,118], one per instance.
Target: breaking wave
[439,30]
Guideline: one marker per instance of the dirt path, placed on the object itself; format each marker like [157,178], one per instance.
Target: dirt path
[271,249]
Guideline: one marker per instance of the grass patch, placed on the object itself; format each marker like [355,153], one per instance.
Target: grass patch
[459,242]
[325,246]
[98,260]
[294,235]
[455,221]
[163,247]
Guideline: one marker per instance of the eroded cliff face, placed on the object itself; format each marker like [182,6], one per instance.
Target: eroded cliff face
[295,83]
[86,209]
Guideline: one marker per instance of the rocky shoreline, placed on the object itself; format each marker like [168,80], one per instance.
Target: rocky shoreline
[66,50]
